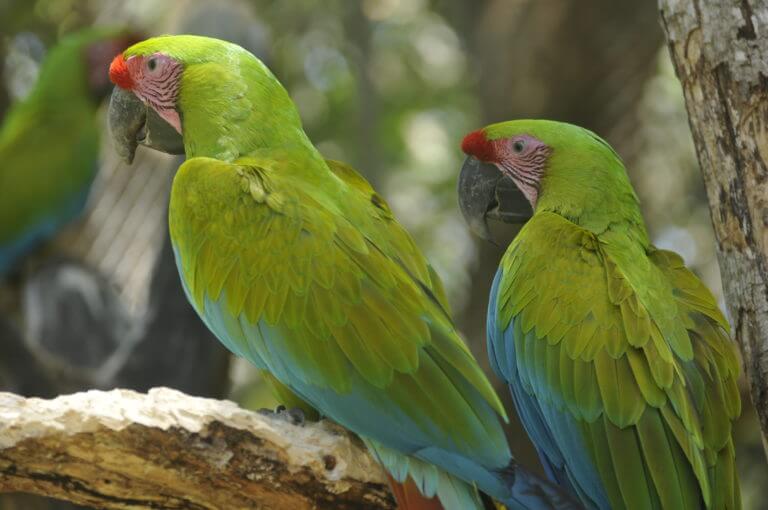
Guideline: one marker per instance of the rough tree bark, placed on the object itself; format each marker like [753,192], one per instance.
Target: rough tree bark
[720,52]
[122,449]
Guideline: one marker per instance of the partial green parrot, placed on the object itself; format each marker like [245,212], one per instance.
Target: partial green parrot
[617,356]
[49,142]
[299,266]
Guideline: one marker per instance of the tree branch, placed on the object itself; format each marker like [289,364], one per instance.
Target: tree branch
[723,66]
[164,449]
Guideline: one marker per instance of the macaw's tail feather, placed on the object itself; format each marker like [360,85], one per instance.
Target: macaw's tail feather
[424,483]
[513,486]
[409,497]
[526,490]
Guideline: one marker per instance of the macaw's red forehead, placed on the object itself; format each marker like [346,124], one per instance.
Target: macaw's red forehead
[478,145]
[119,73]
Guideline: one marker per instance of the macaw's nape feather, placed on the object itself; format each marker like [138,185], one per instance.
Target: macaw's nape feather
[617,356]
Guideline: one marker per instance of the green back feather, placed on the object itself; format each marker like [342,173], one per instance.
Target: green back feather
[343,281]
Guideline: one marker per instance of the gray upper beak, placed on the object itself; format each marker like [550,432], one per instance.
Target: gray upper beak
[484,192]
[131,123]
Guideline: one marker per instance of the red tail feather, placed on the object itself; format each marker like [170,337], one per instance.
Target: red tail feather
[409,498]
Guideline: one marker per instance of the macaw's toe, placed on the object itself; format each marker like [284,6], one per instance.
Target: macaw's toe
[294,415]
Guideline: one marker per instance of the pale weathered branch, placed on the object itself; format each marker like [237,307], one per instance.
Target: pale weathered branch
[164,449]
[720,52]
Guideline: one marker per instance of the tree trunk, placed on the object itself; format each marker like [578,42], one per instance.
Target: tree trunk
[720,53]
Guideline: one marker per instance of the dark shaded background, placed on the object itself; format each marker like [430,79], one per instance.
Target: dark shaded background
[389,86]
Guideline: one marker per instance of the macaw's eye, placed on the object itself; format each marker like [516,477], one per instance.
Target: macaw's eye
[518,146]
[152,64]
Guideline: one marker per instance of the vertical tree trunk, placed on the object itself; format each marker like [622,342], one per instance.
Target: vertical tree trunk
[720,52]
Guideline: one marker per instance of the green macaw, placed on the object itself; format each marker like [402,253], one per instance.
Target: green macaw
[49,142]
[298,265]
[617,356]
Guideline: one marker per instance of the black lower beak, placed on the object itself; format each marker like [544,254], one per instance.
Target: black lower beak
[484,192]
[131,123]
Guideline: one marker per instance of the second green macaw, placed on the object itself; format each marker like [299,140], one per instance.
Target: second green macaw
[617,356]
[297,265]
[49,142]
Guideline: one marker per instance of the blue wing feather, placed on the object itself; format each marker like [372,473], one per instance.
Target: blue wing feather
[555,434]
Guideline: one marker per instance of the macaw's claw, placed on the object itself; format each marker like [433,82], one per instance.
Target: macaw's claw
[294,416]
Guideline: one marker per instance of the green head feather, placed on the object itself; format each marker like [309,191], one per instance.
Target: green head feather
[584,178]
[230,103]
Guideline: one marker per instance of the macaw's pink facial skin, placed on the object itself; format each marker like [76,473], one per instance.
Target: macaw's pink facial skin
[522,158]
[155,79]
[144,106]
[500,179]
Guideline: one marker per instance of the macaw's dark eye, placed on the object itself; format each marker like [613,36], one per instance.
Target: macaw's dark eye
[151,64]
[518,146]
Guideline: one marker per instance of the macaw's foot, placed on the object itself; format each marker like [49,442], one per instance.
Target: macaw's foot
[294,416]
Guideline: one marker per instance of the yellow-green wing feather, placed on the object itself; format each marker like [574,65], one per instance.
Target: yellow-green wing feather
[327,269]
[653,409]
[400,245]
[403,244]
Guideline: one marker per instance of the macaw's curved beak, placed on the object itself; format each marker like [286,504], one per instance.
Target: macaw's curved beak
[131,123]
[484,192]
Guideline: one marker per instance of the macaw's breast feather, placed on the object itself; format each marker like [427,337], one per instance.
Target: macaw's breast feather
[314,280]
[620,365]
